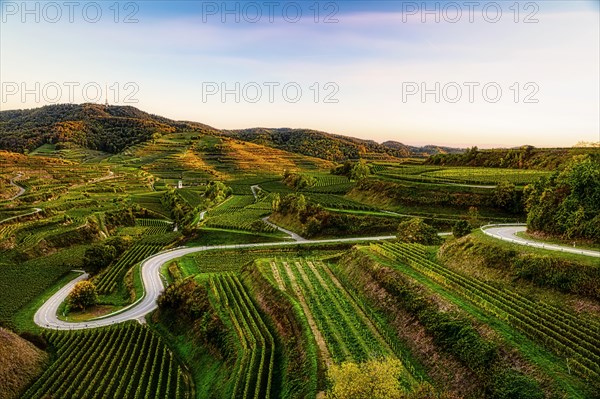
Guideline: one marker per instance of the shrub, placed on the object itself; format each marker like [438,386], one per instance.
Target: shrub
[510,384]
[461,228]
[417,231]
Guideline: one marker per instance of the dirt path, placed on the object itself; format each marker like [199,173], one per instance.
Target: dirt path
[35,210]
[255,188]
[325,355]
[277,276]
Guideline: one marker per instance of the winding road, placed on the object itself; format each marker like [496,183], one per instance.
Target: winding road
[509,233]
[21,189]
[46,316]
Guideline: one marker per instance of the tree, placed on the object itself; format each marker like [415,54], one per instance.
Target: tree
[313,227]
[98,257]
[474,216]
[276,202]
[417,231]
[374,379]
[360,170]
[155,136]
[120,243]
[505,196]
[567,203]
[301,204]
[461,228]
[83,295]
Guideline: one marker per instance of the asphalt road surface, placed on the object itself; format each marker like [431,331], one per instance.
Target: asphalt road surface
[46,316]
[509,233]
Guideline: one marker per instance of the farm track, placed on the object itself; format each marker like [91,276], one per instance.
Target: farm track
[35,210]
[292,235]
[21,189]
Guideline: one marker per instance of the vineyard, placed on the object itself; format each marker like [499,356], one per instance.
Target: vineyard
[561,332]
[156,234]
[233,260]
[487,175]
[152,202]
[240,212]
[241,319]
[124,361]
[348,333]
[253,371]
[192,197]
[107,281]
[459,175]
[330,184]
[337,202]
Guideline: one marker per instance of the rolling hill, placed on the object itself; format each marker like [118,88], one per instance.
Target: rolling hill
[114,128]
[94,126]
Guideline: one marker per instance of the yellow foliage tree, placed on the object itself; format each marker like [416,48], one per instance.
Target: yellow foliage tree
[83,295]
[374,379]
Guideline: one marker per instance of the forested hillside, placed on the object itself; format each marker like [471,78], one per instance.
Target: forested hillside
[319,144]
[97,127]
[525,157]
[112,128]
[425,150]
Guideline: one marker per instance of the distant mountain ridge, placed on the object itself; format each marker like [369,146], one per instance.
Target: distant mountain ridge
[318,144]
[113,128]
[425,150]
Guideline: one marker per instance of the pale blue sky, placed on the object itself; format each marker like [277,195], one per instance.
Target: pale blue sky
[372,56]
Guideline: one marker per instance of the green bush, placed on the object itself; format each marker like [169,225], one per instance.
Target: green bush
[417,231]
[510,384]
[461,228]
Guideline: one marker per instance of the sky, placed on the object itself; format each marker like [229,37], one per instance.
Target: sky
[491,74]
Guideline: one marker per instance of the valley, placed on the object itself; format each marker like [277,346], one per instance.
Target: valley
[280,263]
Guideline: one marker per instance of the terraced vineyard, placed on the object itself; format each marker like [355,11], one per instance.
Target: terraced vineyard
[253,369]
[330,184]
[152,202]
[487,175]
[107,281]
[240,212]
[348,333]
[337,202]
[233,204]
[563,333]
[192,197]
[124,361]
[460,175]
[6,230]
